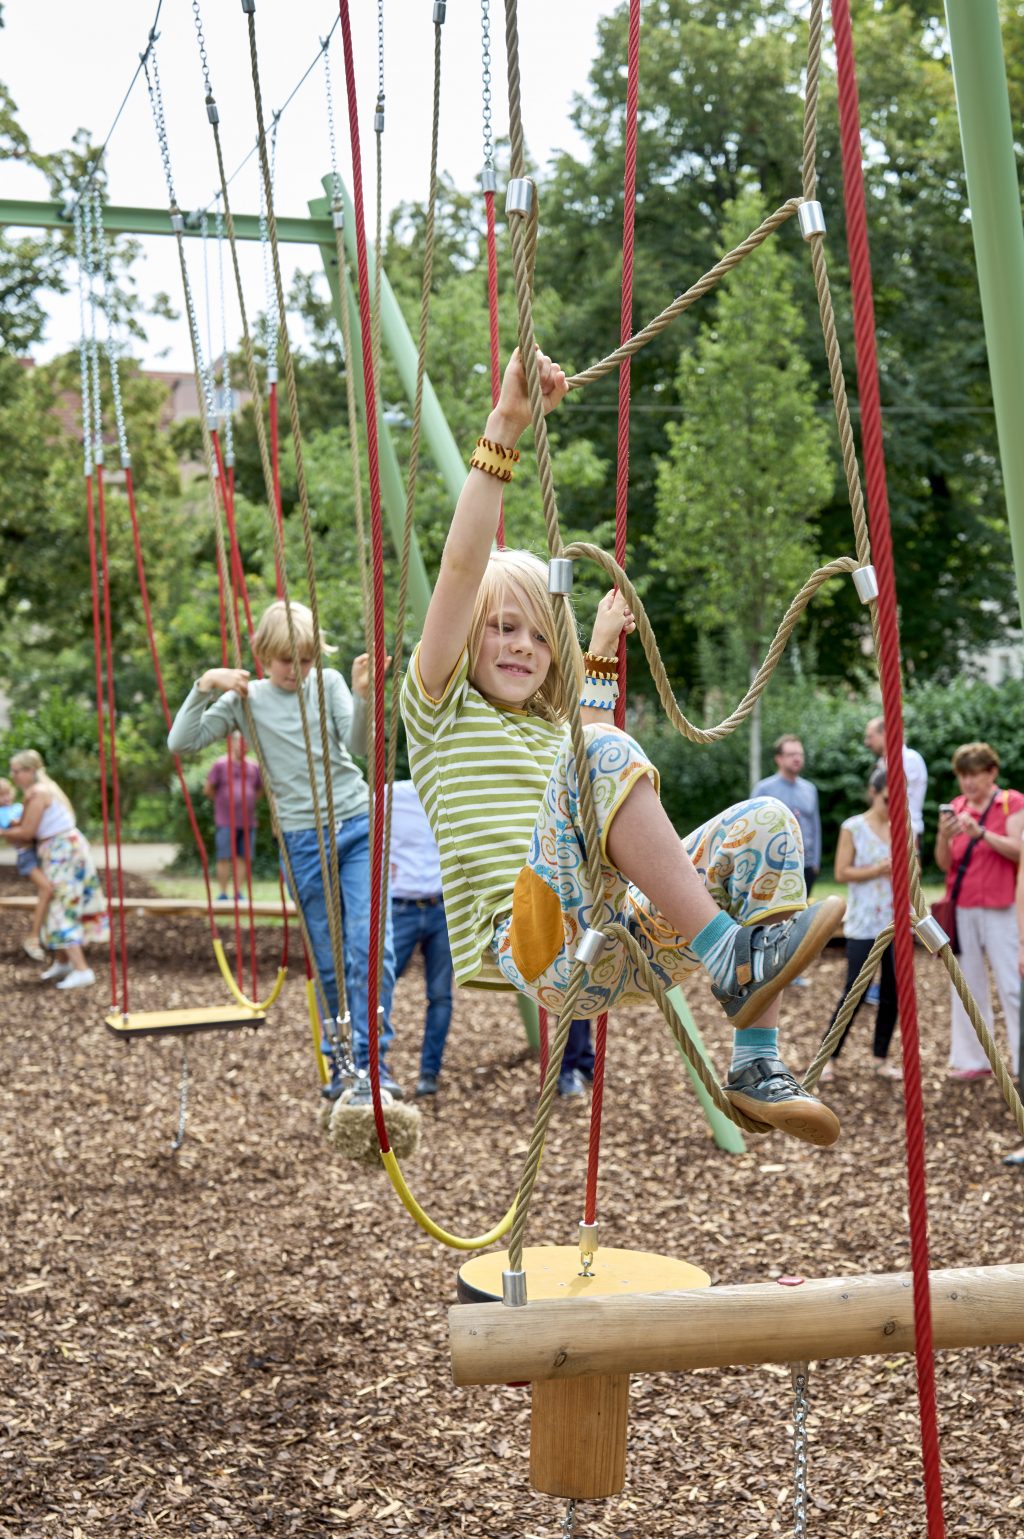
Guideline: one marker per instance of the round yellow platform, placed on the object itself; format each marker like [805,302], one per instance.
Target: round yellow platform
[552,1272]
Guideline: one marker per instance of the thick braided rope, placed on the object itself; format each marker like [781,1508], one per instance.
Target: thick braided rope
[333,906]
[329,868]
[696,291]
[581,549]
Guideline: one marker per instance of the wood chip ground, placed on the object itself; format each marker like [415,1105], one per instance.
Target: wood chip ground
[249,1338]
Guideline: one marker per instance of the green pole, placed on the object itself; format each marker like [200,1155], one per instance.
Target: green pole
[724,1131]
[404,354]
[986,133]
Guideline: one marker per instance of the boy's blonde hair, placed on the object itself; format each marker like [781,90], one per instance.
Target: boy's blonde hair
[27,758]
[523,576]
[7,787]
[273,641]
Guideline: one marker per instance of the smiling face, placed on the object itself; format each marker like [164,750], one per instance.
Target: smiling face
[513,656]
[281,672]
[23,777]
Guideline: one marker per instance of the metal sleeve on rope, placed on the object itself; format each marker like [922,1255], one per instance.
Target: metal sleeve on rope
[513,1288]
[560,575]
[931,934]
[811,219]
[519,196]
[865,580]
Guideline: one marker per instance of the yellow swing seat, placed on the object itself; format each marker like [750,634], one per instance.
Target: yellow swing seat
[172,1023]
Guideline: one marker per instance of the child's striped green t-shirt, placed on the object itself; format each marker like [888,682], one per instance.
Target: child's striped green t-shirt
[481,773]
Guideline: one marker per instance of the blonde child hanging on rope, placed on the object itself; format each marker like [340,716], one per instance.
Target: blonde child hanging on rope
[485,703]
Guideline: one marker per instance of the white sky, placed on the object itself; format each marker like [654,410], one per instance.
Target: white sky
[68,65]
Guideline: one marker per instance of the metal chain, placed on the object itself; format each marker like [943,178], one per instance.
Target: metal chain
[569,1520]
[209,373]
[202,47]
[379,115]
[111,348]
[156,102]
[83,353]
[226,404]
[96,425]
[331,135]
[800,1408]
[179,1137]
[485,29]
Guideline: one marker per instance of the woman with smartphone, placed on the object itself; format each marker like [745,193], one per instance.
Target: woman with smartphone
[978,847]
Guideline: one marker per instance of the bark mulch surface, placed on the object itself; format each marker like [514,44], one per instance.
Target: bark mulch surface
[249,1338]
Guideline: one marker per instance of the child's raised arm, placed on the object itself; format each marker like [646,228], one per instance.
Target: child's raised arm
[474,525]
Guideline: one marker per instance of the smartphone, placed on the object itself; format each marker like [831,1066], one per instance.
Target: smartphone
[947,810]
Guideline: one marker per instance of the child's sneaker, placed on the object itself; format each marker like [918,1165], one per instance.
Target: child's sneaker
[56,971]
[766,957]
[767,1092]
[78,978]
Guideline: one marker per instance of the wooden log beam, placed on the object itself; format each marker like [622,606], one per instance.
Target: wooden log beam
[720,1327]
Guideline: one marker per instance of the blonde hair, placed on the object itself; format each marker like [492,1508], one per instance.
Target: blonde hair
[523,576]
[6,785]
[272,639]
[27,758]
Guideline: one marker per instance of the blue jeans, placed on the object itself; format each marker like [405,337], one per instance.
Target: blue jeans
[579,1051]
[353,839]
[424,924]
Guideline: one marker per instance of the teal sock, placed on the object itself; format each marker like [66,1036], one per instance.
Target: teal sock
[753,1042]
[713,947]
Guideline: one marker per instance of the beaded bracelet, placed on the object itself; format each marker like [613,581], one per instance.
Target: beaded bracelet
[601,667]
[494,458]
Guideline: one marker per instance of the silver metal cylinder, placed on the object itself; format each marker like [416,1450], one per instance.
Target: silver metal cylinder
[865,580]
[560,575]
[271,373]
[488,180]
[931,934]
[439,12]
[811,217]
[249,7]
[519,196]
[513,1289]
[212,113]
[588,1238]
[590,947]
[126,460]
[177,223]
[97,458]
[378,121]
[338,218]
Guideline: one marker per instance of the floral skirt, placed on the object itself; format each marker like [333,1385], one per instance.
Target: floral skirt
[750,856]
[77,915]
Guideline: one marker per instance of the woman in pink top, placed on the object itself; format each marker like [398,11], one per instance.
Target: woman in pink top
[234,785]
[983,827]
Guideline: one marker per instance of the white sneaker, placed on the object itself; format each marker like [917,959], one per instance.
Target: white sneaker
[78,978]
[56,970]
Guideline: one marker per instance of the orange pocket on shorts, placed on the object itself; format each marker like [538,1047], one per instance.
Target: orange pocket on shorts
[536,930]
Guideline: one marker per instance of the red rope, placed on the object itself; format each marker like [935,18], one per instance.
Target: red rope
[621,522]
[97,642]
[492,312]
[377,549]
[112,729]
[889,644]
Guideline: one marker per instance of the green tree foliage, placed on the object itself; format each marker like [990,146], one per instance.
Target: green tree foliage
[748,466]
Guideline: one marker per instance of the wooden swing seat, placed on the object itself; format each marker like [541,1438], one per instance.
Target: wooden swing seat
[173,1023]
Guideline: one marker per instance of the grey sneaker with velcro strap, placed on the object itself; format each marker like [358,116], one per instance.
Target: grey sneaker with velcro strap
[767,1091]
[767,957]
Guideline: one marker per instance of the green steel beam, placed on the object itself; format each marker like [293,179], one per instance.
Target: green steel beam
[986,132]
[723,1130]
[119,219]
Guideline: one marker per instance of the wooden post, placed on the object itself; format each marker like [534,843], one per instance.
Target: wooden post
[561,1338]
[578,1436]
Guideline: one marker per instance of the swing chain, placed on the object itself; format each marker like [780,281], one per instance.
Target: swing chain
[800,1408]
[202,48]
[83,355]
[569,1520]
[378,117]
[335,181]
[179,1137]
[485,27]
[156,101]
[92,265]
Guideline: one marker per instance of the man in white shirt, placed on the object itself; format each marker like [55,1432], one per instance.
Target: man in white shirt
[914,769]
[418,918]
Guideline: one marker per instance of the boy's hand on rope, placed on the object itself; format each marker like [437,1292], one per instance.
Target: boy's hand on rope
[361,674]
[225,678]
[512,414]
[613,617]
